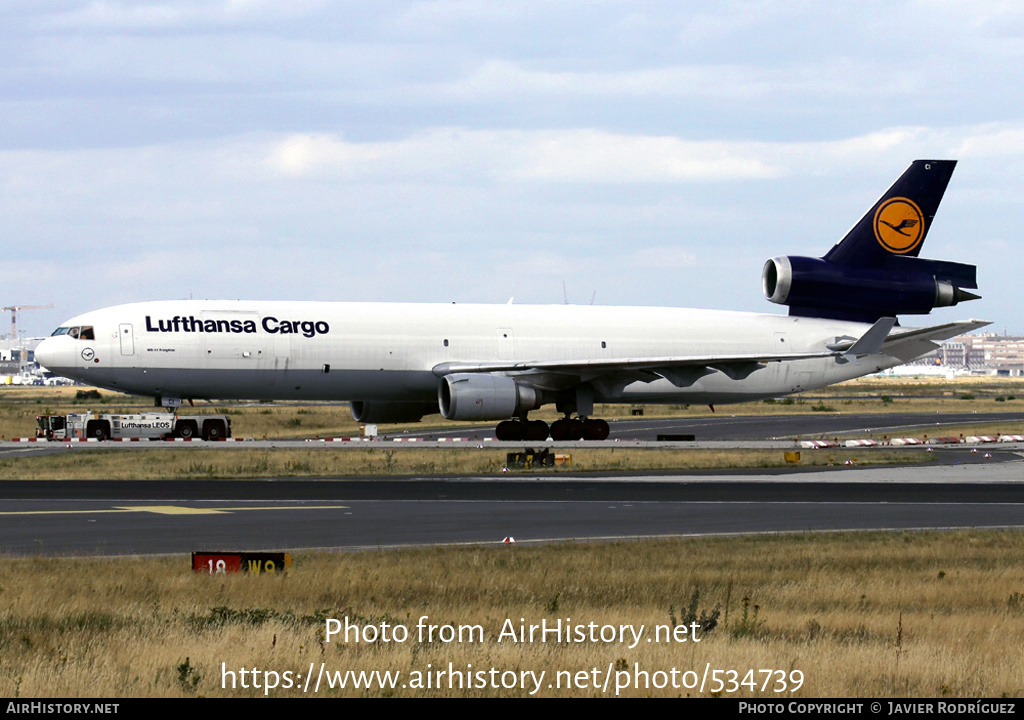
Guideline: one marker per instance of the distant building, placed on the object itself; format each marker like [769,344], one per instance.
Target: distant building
[17,360]
[977,355]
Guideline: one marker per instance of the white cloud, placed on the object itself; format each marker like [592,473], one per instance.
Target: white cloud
[589,156]
[304,153]
[991,141]
[595,156]
[582,156]
[161,15]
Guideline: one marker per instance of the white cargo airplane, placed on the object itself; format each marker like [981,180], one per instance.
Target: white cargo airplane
[397,362]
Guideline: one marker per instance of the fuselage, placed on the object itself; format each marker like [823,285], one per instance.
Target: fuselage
[389,352]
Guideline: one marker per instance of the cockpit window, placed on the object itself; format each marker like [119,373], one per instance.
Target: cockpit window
[82,332]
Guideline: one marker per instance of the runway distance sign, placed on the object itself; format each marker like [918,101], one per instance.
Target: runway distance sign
[253,563]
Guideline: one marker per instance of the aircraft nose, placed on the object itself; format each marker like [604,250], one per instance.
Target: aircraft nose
[54,354]
[44,352]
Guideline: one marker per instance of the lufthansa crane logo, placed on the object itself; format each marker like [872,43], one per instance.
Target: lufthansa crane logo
[899,225]
[88,354]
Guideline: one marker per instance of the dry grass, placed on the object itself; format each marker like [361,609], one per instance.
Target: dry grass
[869,615]
[383,459]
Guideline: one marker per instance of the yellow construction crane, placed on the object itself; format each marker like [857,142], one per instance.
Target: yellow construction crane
[14,315]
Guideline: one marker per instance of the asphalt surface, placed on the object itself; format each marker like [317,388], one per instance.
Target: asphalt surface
[128,517]
[961,490]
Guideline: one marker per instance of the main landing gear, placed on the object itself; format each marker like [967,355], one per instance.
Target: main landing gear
[578,401]
[565,429]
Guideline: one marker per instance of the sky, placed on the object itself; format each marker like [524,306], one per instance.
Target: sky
[620,153]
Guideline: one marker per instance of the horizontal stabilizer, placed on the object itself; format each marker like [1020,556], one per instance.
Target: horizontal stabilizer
[909,344]
[935,332]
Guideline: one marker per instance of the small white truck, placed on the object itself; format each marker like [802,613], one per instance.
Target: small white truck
[153,426]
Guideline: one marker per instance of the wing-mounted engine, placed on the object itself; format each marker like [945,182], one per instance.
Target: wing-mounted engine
[483,396]
[875,270]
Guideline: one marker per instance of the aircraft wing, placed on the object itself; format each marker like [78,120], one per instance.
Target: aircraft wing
[685,370]
[637,363]
[681,371]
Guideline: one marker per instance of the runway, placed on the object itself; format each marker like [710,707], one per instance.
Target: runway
[117,518]
[959,490]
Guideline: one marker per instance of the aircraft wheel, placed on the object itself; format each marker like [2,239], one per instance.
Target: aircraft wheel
[566,429]
[595,429]
[536,430]
[558,430]
[509,430]
[576,429]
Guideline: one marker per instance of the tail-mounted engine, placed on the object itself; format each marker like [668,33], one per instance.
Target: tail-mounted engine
[815,287]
